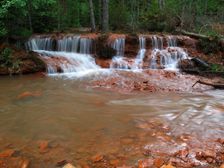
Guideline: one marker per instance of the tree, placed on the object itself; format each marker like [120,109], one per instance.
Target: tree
[105,17]
[92,17]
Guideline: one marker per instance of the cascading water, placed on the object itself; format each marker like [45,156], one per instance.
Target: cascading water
[40,44]
[68,62]
[118,60]
[157,45]
[66,59]
[166,58]
[141,54]
[85,45]
[171,41]
[69,44]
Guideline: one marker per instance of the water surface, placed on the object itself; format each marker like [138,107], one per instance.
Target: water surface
[80,121]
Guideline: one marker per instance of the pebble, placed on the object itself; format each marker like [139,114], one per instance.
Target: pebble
[69,165]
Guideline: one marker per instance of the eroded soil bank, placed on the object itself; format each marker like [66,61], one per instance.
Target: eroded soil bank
[16,61]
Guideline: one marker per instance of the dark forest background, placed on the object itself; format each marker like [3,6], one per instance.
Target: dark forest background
[24,17]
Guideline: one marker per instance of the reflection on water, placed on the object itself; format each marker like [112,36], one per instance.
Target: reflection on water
[85,121]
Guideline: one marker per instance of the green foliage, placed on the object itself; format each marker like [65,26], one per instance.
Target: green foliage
[217,68]
[120,11]
[6,60]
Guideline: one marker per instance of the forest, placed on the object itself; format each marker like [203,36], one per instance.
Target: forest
[21,18]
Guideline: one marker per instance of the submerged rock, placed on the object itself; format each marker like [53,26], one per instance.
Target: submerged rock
[43,146]
[145,163]
[7,153]
[28,94]
[97,158]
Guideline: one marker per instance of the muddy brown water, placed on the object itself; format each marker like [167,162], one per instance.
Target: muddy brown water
[80,122]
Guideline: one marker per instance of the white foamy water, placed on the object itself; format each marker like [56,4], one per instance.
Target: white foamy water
[67,55]
[68,62]
[118,61]
[141,54]
[166,58]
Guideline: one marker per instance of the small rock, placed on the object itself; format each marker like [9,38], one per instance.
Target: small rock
[209,153]
[221,141]
[97,158]
[69,165]
[183,153]
[25,163]
[114,162]
[61,163]
[145,163]
[158,162]
[209,160]
[168,166]
[43,146]
[7,153]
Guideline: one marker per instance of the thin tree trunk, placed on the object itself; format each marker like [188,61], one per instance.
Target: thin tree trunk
[105,18]
[29,16]
[100,14]
[92,17]
[161,4]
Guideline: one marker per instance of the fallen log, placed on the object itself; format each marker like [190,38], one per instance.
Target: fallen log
[214,84]
[200,36]
[194,35]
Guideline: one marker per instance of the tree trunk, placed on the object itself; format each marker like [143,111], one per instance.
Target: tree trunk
[105,17]
[29,16]
[92,17]
[161,4]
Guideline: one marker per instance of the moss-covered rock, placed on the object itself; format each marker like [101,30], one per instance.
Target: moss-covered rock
[17,61]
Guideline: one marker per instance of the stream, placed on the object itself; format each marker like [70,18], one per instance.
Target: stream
[79,122]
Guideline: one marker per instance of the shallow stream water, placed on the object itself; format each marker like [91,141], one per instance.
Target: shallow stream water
[80,122]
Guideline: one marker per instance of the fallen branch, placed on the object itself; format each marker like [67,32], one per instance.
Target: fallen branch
[195,35]
[215,85]
[200,36]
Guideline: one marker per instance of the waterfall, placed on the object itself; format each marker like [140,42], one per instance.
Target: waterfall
[74,44]
[119,46]
[157,42]
[141,54]
[69,44]
[85,46]
[118,61]
[68,62]
[40,44]
[72,55]
[167,58]
[171,41]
